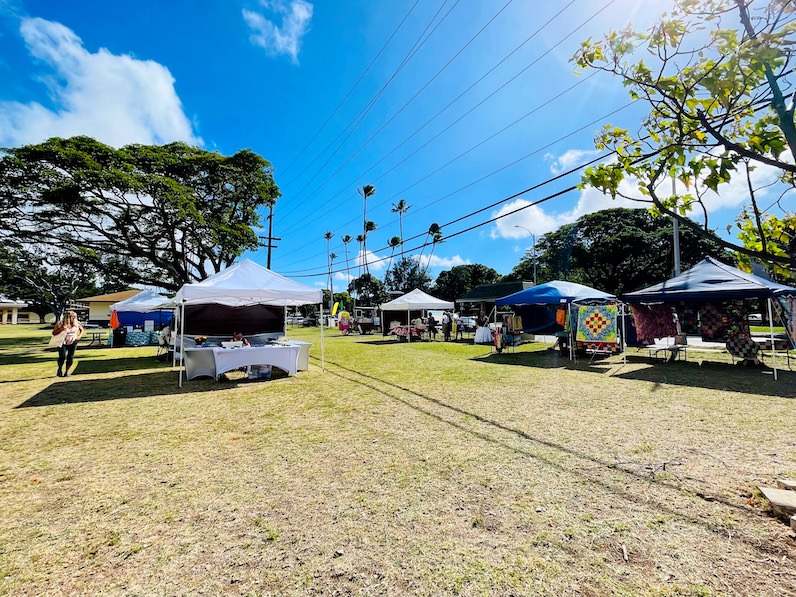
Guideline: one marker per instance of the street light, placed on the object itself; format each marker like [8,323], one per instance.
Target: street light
[533,249]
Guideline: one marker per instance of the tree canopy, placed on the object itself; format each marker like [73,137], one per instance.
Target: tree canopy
[617,250]
[405,275]
[163,215]
[459,280]
[715,75]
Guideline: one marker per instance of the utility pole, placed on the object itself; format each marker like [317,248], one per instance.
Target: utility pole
[676,243]
[270,238]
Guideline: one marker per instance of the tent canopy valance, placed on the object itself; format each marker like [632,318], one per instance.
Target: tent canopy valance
[416,300]
[248,283]
[552,293]
[709,280]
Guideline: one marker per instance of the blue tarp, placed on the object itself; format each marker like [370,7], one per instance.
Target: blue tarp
[553,293]
[708,280]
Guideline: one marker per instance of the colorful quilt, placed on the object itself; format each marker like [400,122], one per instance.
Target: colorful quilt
[596,323]
[721,321]
[785,308]
[653,321]
[742,347]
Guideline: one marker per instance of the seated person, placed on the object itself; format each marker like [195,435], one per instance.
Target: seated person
[238,337]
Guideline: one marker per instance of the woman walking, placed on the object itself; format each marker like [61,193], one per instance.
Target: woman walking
[72,332]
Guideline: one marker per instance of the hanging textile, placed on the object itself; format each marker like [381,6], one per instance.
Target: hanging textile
[653,321]
[628,325]
[597,323]
[743,348]
[721,321]
[785,309]
[687,316]
[561,316]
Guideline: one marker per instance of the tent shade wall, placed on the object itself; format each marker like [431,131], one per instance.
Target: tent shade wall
[221,320]
[137,318]
[551,293]
[708,280]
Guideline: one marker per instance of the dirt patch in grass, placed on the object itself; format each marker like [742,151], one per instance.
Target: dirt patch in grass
[428,468]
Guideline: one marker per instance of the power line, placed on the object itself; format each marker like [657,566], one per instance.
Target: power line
[461,117]
[354,124]
[350,91]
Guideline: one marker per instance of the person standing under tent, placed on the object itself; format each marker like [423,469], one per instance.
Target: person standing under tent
[432,327]
[446,326]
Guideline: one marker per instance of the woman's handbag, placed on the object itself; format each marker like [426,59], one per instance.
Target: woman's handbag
[57,339]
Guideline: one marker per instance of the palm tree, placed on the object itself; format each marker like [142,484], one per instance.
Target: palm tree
[328,236]
[346,239]
[437,238]
[432,231]
[394,242]
[369,227]
[365,191]
[361,241]
[332,257]
[401,208]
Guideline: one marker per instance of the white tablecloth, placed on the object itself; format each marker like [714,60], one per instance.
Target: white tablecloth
[213,362]
[483,335]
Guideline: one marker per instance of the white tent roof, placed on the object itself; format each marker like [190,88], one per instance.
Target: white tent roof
[248,283]
[143,302]
[417,299]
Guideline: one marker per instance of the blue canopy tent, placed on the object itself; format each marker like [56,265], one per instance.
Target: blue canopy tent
[147,305]
[711,280]
[527,303]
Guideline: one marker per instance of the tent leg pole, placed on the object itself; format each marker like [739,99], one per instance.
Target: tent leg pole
[624,331]
[408,326]
[182,341]
[323,347]
[572,356]
[284,321]
[771,328]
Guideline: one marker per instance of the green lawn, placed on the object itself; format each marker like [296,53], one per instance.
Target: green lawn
[417,469]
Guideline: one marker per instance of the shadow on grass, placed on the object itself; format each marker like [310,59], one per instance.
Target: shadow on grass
[87,365]
[712,375]
[425,404]
[73,390]
[544,359]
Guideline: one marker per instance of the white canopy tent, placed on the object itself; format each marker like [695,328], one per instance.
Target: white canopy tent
[247,283]
[147,300]
[413,301]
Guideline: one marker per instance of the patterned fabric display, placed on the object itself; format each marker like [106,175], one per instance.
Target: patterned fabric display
[597,323]
[785,308]
[687,314]
[723,321]
[742,347]
[653,321]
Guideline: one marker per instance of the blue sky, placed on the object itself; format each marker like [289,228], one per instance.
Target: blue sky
[290,79]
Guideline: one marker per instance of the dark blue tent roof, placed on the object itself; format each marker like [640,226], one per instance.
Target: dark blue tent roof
[553,293]
[708,280]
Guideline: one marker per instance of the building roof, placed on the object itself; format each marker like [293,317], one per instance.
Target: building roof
[113,297]
[492,292]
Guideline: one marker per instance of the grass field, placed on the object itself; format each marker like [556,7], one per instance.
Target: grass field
[403,469]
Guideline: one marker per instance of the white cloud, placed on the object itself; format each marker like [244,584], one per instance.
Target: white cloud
[538,221]
[375,263]
[296,16]
[569,159]
[343,277]
[439,261]
[115,99]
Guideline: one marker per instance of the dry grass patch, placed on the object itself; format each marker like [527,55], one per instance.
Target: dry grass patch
[422,468]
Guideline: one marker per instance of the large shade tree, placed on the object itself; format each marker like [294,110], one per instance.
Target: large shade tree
[459,280]
[716,77]
[171,214]
[617,250]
